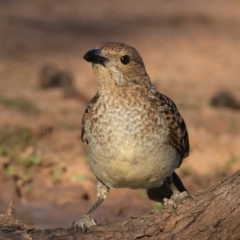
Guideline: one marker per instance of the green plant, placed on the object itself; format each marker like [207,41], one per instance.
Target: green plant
[12,137]
[206,175]
[158,206]
[28,189]
[17,146]
[35,160]
[57,175]
[11,170]
[86,158]
[232,161]
[68,126]
[224,170]
[186,171]
[20,104]
[83,178]
[143,194]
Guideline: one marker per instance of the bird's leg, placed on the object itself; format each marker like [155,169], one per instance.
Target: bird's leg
[86,221]
[177,195]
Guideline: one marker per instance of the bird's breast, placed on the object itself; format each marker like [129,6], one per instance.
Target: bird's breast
[112,120]
[128,148]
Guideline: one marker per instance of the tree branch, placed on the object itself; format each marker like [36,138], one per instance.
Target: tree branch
[210,214]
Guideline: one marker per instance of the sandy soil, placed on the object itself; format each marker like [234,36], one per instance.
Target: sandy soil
[191,51]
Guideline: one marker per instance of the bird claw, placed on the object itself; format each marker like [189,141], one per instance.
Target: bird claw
[176,197]
[85,223]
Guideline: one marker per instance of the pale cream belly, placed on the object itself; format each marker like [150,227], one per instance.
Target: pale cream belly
[131,150]
[135,168]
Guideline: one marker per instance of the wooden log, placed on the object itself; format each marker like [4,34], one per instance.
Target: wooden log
[210,214]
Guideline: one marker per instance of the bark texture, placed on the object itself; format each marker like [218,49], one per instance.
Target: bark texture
[210,214]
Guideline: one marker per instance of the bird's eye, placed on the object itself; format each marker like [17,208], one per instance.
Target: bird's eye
[125,59]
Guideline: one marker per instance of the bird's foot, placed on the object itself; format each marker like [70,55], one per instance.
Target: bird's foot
[85,223]
[175,198]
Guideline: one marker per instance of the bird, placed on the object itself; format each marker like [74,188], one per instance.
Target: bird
[136,136]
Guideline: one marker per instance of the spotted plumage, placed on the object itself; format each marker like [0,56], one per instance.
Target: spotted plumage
[136,135]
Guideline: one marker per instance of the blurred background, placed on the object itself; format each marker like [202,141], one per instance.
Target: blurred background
[191,52]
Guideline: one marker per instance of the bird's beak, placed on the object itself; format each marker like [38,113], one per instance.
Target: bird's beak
[94,56]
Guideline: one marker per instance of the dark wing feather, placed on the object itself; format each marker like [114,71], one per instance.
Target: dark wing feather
[86,113]
[178,135]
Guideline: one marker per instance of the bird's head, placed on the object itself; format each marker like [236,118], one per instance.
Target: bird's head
[117,64]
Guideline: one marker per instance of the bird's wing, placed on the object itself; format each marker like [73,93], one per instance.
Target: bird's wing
[178,135]
[86,114]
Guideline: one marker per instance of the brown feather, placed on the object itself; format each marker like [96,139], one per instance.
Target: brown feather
[178,135]
[86,114]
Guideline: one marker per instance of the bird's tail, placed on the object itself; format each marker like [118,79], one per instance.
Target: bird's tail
[178,183]
[167,189]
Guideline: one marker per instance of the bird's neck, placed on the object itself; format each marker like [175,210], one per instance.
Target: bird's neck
[108,86]
[124,93]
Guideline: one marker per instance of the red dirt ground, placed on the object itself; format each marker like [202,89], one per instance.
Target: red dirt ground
[191,51]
